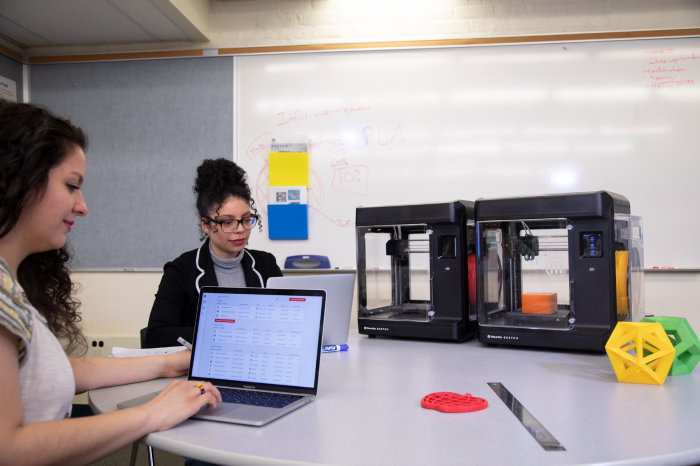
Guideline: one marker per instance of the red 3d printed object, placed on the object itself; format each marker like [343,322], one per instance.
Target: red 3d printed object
[448,402]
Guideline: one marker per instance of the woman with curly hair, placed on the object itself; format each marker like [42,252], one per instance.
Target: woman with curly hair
[227,215]
[42,170]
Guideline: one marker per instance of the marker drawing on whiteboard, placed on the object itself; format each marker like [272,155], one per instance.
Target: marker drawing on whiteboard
[353,180]
[665,267]
[663,72]
[258,146]
[368,132]
[300,115]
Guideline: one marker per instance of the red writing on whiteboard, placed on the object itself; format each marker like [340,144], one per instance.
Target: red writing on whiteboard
[333,147]
[659,52]
[339,163]
[666,84]
[286,118]
[258,146]
[342,223]
[664,72]
[326,142]
[664,69]
[655,60]
[352,180]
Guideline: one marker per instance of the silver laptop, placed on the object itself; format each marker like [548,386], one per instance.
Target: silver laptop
[260,347]
[339,289]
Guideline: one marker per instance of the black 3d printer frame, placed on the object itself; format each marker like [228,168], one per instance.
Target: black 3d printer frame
[451,243]
[593,296]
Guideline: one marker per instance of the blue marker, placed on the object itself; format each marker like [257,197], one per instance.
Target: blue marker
[333,348]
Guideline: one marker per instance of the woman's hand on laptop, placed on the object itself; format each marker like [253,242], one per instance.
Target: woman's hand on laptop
[180,400]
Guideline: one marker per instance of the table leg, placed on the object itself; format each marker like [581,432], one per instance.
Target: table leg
[134,453]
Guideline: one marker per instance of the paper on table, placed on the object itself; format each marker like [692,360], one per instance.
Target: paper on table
[118,352]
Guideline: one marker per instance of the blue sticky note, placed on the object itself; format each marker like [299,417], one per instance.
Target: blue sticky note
[290,221]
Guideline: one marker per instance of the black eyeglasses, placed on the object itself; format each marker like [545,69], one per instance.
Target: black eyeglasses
[230,225]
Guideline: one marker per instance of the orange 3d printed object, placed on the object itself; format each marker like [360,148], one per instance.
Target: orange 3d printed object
[539,303]
[626,349]
[685,342]
[448,402]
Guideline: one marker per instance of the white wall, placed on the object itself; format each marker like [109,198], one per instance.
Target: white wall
[116,304]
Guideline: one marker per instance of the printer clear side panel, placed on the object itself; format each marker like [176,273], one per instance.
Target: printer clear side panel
[396,281]
[523,274]
[629,267]
[375,289]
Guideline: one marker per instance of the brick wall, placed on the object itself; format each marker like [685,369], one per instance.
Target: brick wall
[248,23]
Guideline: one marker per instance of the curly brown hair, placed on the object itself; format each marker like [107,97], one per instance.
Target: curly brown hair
[32,142]
[217,181]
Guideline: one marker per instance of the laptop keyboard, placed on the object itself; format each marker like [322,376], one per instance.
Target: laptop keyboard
[254,398]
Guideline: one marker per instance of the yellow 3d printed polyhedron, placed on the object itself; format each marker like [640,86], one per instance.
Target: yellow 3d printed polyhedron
[626,347]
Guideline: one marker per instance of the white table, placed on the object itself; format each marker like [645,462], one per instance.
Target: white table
[368,412]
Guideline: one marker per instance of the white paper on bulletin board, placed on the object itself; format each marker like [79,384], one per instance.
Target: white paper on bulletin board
[433,125]
[8,89]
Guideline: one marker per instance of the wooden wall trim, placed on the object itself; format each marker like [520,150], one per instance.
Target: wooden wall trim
[370,45]
[11,53]
[117,56]
[464,42]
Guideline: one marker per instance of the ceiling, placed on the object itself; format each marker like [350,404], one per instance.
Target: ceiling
[45,23]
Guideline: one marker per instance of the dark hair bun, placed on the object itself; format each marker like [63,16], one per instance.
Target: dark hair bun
[217,176]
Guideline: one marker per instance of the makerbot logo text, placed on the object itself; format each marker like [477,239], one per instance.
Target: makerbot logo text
[556,266]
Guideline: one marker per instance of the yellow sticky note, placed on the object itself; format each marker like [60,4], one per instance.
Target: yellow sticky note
[289,169]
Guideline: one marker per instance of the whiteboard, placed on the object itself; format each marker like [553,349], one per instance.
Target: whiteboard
[416,126]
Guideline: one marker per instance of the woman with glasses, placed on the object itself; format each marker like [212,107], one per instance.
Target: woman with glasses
[227,216]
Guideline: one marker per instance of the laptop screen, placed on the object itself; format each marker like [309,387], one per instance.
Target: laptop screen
[258,336]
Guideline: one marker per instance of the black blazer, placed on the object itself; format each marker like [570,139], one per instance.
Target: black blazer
[175,306]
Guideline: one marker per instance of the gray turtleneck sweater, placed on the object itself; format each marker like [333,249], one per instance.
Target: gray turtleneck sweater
[229,272]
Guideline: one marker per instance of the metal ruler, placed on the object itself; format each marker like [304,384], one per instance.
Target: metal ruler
[533,426]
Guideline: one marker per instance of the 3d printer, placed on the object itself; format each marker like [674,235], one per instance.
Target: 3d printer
[413,265]
[558,271]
